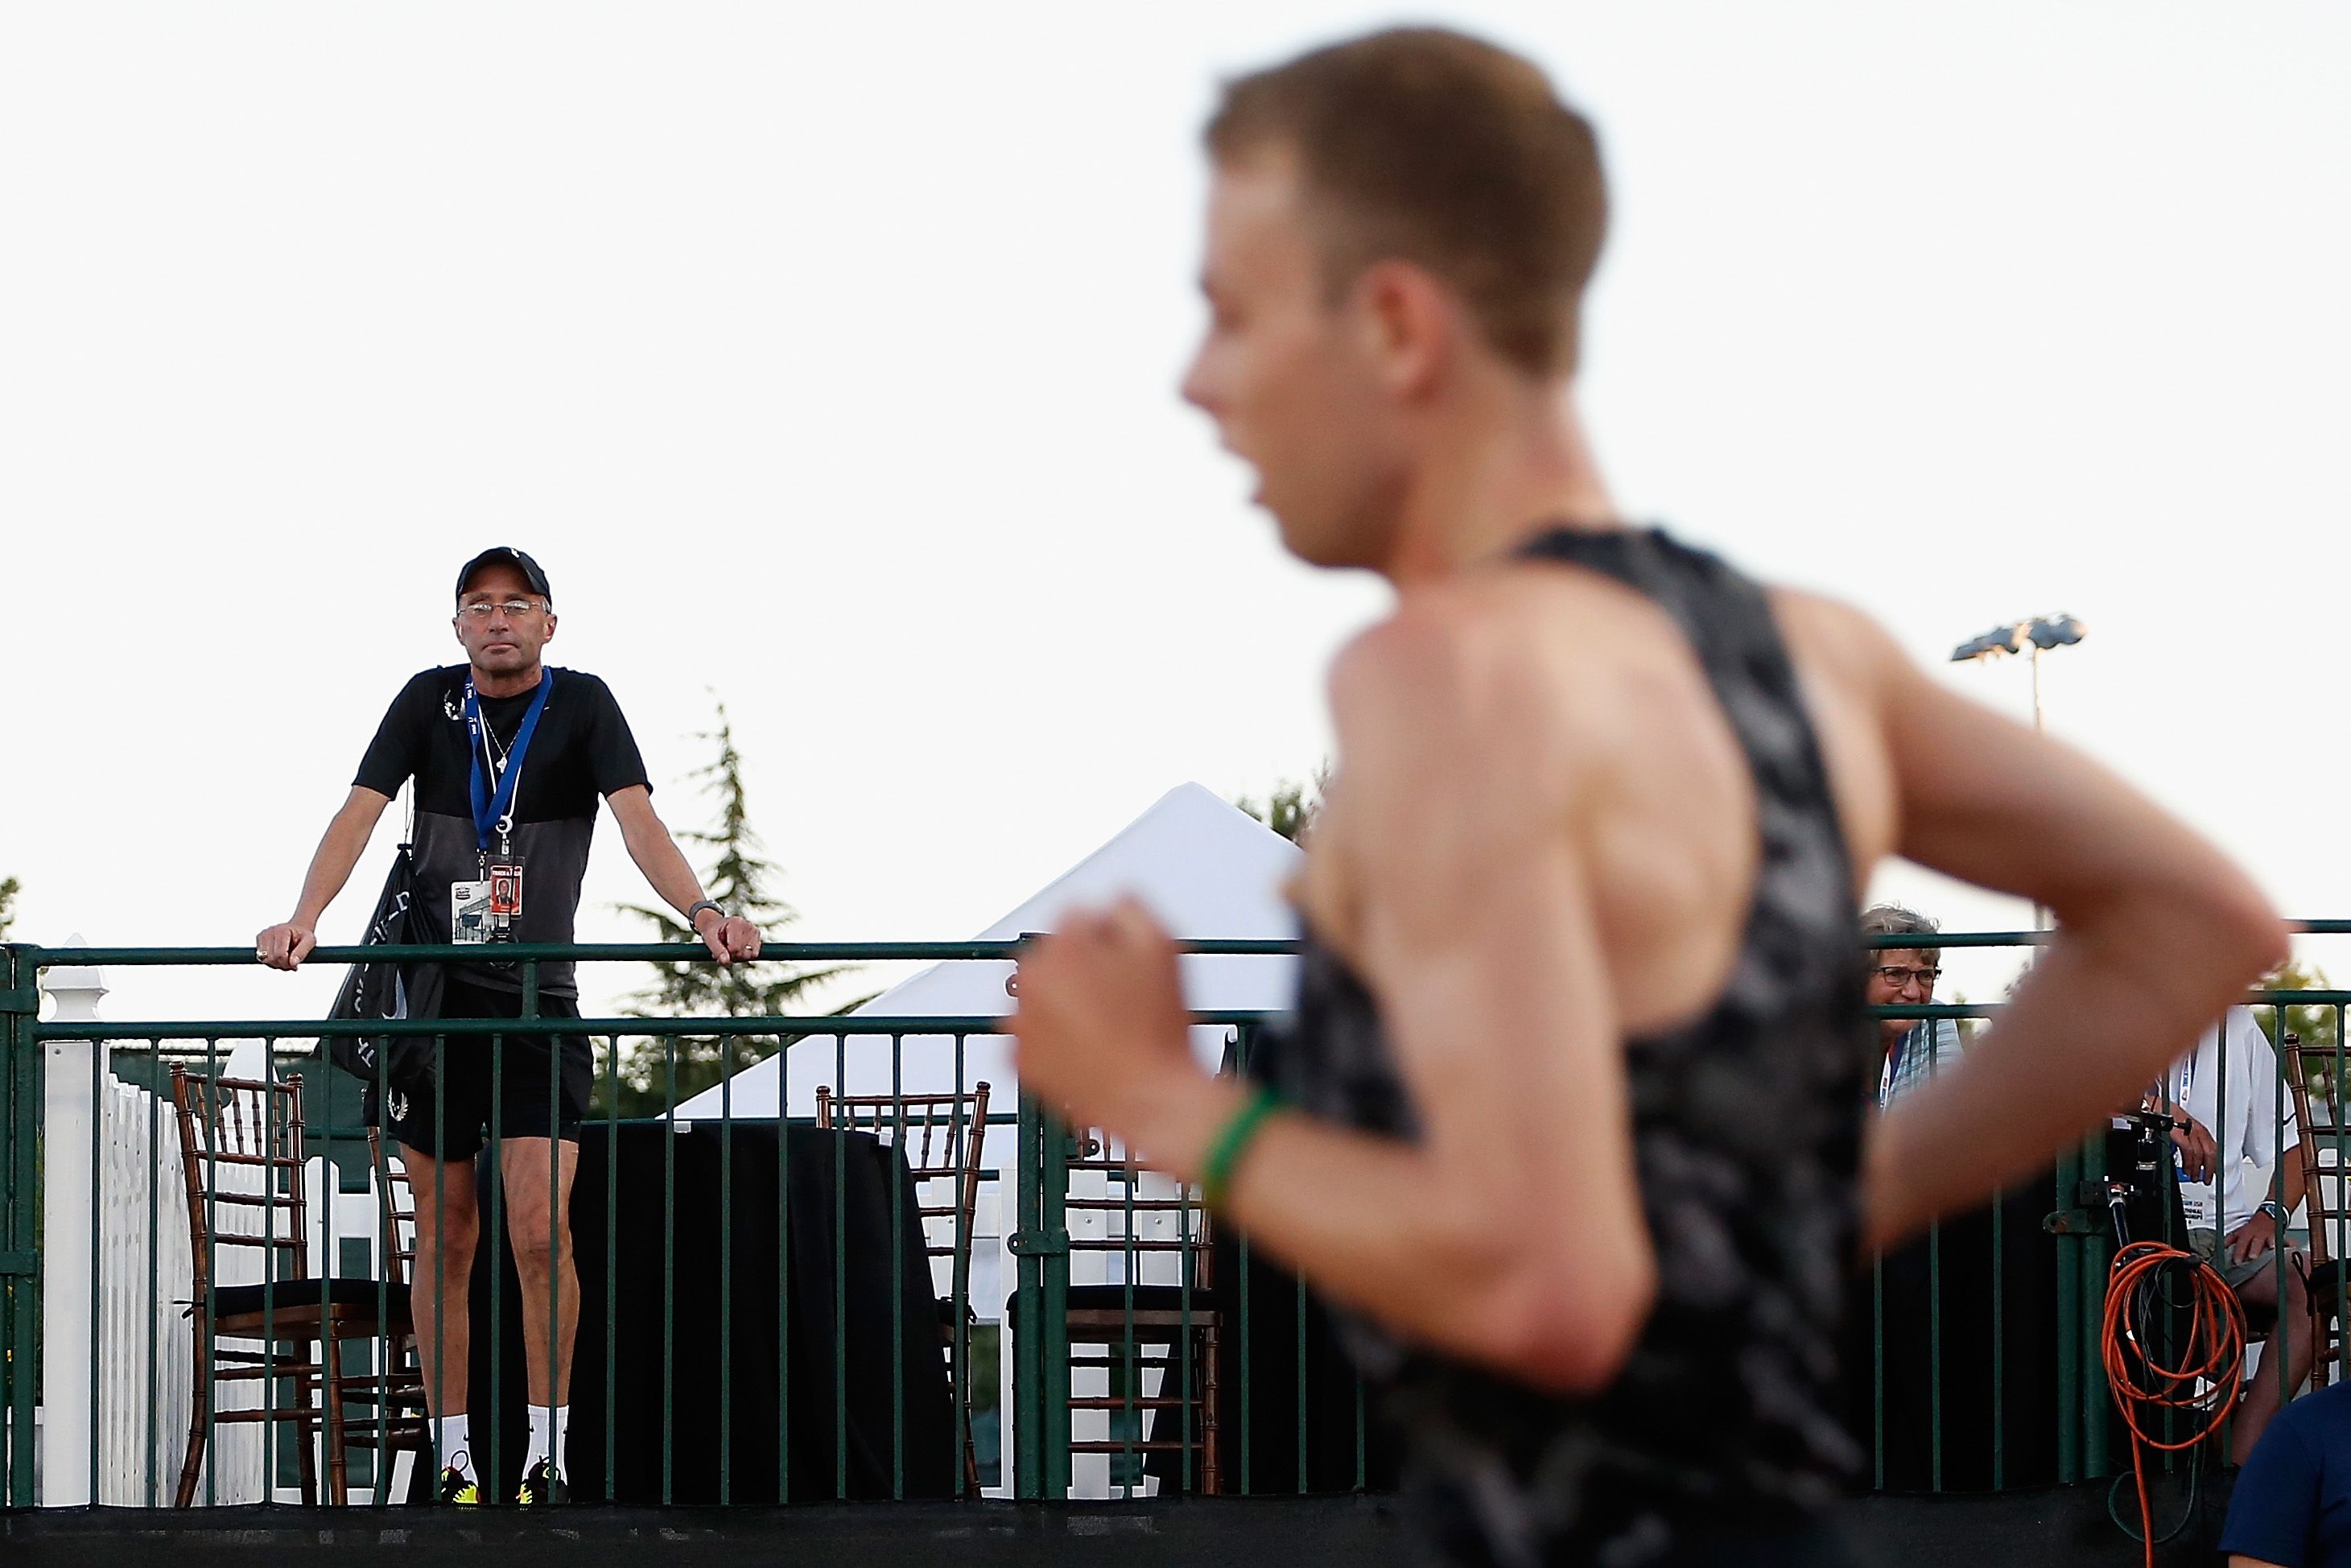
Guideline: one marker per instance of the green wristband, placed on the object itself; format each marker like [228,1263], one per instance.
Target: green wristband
[1216,1171]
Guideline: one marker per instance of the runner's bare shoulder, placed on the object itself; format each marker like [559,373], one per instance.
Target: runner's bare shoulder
[1845,664]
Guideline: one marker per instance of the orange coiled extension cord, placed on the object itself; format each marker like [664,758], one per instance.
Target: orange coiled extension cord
[2212,1353]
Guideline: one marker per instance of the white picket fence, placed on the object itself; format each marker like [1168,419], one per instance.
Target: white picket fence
[142,1348]
[118,1348]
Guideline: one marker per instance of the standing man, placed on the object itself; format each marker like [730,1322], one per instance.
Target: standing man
[1571,1114]
[509,757]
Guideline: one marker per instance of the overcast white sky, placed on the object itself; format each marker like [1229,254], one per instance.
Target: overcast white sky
[826,358]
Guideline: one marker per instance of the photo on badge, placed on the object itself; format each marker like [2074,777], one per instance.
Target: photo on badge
[469,912]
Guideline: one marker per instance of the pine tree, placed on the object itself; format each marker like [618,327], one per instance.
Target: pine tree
[2315,1025]
[9,889]
[1290,809]
[740,878]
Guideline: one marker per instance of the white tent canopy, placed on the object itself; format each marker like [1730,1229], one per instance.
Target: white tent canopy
[1208,871]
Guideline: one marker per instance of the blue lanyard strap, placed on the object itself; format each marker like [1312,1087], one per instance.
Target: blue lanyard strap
[492,806]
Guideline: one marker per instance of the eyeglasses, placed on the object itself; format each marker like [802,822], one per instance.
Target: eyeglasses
[1900,975]
[513,607]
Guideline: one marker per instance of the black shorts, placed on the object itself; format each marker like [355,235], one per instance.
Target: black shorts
[463,1095]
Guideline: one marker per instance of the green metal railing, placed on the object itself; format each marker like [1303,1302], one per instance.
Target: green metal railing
[1247,1378]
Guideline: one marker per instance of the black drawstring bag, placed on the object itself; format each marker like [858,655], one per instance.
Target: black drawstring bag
[387,990]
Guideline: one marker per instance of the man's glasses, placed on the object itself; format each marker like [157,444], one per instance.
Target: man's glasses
[1900,975]
[513,607]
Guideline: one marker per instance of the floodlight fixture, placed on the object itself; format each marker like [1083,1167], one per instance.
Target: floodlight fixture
[2024,636]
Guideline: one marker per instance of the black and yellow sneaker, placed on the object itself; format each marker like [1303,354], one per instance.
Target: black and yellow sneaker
[542,1483]
[458,1489]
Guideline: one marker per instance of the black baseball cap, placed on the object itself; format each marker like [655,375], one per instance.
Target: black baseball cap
[506,555]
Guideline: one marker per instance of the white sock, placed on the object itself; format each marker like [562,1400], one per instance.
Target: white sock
[450,1436]
[548,1430]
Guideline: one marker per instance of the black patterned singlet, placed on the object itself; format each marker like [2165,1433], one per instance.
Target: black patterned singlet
[1747,1124]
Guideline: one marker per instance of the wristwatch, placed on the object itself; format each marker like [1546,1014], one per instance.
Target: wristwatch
[698,905]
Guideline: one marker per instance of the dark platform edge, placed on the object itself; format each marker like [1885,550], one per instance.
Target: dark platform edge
[2065,1525]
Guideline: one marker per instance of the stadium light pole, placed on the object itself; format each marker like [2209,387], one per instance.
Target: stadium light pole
[2036,637]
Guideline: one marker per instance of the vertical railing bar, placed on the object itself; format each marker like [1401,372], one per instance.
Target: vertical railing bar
[1301,1298]
[897,1272]
[330,1411]
[98,1098]
[2170,1234]
[2316,1202]
[154,1391]
[784,1271]
[1362,1466]
[2069,1344]
[18,1077]
[1186,1277]
[493,1236]
[1129,1352]
[1999,1348]
[2281,1106]
[1243,1329]
[840,1282]
[437,1407]
[959,1287]
[1053,1206]
[11,1135]
[209,1100]
[1877,1367]
[2096,1402]
[1028,1308]
[269,1270]
[2219,1180]
[1935,1355]
[612,1263]
[559,1204]
[669,1268]
[727,1270]
[269,1274]
[386,1243]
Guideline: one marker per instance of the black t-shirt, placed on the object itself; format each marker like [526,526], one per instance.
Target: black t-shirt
[582,751]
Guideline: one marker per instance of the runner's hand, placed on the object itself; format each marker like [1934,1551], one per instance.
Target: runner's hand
[285,946]
[1101,1026]
[728,939]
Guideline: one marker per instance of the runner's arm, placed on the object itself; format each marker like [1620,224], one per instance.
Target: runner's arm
[2158,934]
[284,946]
[1510,1232]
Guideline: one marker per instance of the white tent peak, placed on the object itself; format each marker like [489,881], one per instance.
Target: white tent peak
[1207,871]
[1193,858]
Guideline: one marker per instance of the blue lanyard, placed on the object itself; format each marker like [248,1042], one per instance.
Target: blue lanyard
[492,808]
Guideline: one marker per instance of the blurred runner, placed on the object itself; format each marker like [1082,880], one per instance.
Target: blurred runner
[1572,1115]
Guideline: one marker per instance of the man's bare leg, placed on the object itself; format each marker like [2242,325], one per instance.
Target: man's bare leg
[448,1228]
[538,1223]
[2289,1338]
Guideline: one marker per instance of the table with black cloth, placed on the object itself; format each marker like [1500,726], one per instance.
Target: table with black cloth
[835,1184]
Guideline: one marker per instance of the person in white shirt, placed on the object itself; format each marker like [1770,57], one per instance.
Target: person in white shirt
[2242,1128]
